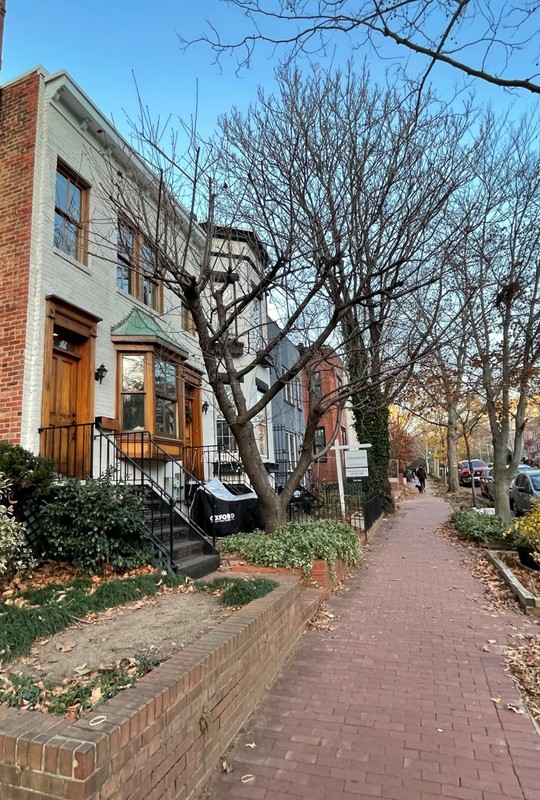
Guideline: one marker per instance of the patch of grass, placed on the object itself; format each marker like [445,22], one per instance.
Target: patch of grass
[75,696]
[237,591]
[43,612]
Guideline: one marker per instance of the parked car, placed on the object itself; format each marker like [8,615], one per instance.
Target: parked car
[479,468]
[486,484]
[487,480]
[523,490]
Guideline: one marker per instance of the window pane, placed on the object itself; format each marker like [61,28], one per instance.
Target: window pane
[58,239]
[72,238]
[165,417]
[122,276]
[165,379]
[225,439]
[75,202]
[133,411]
[315,385]
[149,293]
[125,242]
[61,199]
[133,373]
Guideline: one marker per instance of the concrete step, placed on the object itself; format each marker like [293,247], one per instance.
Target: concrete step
[198,566]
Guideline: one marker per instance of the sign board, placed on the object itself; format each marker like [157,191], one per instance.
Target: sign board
[356,465]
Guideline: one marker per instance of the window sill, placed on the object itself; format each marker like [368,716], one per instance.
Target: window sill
[72,261]
[139,303]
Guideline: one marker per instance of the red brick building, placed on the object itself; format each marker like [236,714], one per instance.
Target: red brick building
[324,377]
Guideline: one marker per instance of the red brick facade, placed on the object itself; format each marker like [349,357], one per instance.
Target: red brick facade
[329,366]
[18,124]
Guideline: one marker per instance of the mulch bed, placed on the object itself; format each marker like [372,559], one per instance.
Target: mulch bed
[529,578]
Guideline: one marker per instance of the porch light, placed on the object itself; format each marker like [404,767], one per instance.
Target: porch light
[101,371]
[205,407]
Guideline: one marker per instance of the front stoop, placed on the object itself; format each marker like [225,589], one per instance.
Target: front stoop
[163,737]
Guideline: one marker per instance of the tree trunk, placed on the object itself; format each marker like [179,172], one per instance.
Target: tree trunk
[451,449]
[502,503]
[502,479]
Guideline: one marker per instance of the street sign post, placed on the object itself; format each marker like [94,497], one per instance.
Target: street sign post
[356,450]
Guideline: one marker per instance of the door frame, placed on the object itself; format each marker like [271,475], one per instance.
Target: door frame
[76,320]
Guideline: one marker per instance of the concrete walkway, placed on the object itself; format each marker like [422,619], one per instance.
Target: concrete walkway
[396,701]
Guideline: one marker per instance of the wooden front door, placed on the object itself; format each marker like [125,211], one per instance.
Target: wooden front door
[193,430]
[67,414]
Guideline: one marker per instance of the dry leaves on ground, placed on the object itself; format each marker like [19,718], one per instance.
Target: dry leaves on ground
[528,578]
[323,620]
[497,594]
[524,663]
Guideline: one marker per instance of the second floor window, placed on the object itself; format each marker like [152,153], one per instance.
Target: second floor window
[136,267]
[70,214]
[319,442]
[315,385]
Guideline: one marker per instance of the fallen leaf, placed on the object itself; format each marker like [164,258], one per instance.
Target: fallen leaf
[485,648]
[251,744]
[496,699]
[225,766]
[515,709]
[65,647]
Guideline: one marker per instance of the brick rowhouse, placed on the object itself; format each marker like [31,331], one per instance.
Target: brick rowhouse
[18,124]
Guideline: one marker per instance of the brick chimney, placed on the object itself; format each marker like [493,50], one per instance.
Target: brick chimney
[2,15]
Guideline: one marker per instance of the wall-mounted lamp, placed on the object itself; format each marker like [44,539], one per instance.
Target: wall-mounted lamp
[205,407]
[101,371]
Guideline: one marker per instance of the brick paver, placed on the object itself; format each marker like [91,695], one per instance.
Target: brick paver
[396,702]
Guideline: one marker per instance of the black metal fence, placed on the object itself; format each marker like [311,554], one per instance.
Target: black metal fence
[82,451]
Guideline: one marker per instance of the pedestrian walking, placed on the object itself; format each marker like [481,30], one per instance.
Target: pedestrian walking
[421,475]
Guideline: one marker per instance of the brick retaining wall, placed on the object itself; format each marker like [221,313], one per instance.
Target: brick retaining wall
[162,738]
[320,574]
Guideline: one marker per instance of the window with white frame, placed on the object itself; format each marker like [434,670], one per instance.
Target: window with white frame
[260,423]
[292,449]
[224,437]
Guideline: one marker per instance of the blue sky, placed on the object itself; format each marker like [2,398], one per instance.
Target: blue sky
[103,44]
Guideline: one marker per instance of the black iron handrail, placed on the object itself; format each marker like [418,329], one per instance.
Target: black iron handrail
[74,450]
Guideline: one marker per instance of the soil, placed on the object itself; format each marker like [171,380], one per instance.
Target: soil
[159,627]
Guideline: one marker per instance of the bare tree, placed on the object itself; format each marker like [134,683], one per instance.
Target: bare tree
[345,189]
[499,266]
[478,38]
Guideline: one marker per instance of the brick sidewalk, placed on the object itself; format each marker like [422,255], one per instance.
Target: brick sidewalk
[396,701]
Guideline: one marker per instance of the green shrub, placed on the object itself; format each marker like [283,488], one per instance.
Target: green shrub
[31,476]
[93,524]
[297,545]
[238,591]
[475,527]
[15,555]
